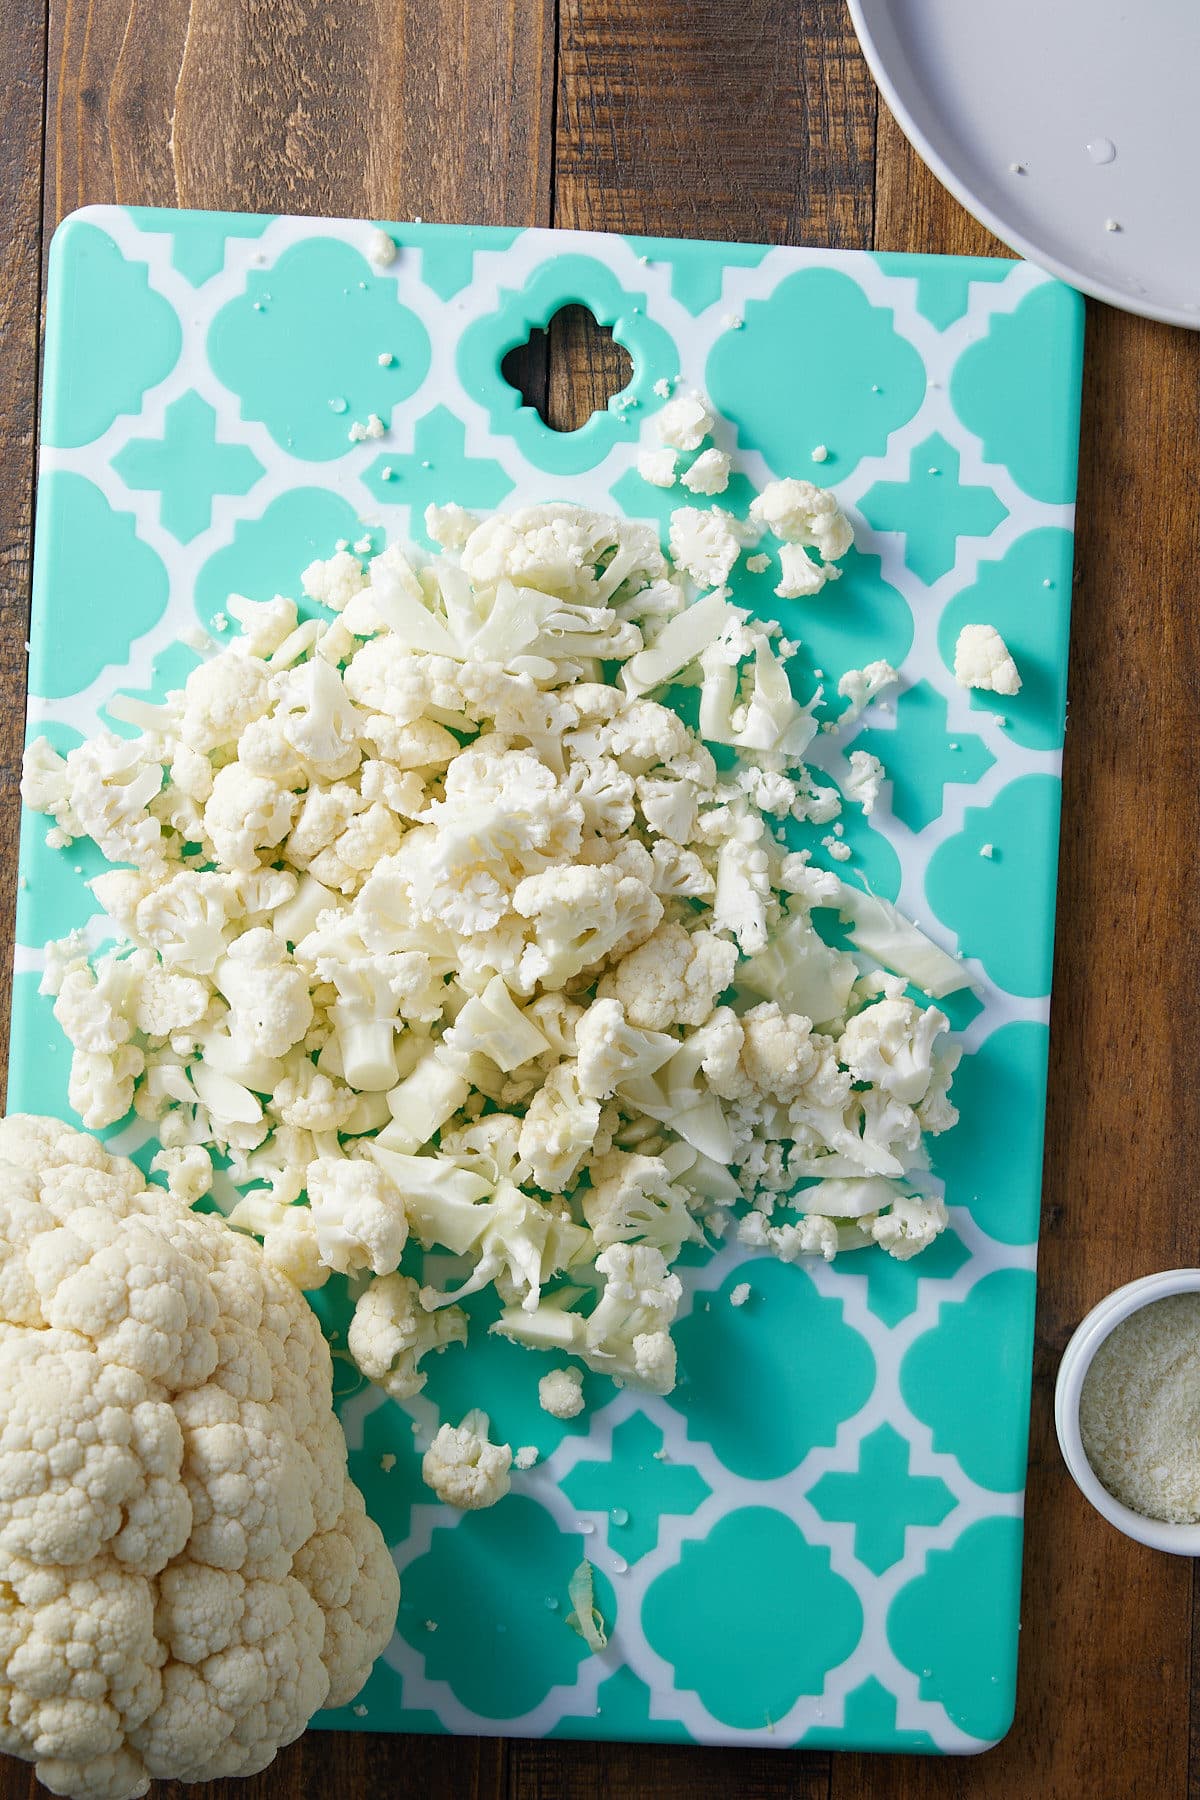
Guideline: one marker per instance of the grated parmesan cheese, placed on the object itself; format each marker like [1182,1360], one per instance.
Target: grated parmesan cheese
[1139,1411]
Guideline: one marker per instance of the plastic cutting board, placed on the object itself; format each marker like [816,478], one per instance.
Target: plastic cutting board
[817,1538]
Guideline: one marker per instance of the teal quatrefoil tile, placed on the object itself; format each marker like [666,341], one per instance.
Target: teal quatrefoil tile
[738,1393]
[867,381]
[761,1537]
[752,1617]
[301,347]
[487,1604]
[948,1628]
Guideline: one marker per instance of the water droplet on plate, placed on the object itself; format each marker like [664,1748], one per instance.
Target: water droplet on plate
[1102,150]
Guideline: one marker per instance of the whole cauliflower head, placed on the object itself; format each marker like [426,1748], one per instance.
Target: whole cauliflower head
[187,1572]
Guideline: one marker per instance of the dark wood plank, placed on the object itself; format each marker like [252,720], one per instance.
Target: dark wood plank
[563,1771]
[22,80]
[694,121]
[322,1766]
[1106,1649]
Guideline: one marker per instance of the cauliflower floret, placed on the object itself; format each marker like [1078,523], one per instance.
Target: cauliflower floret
[559,1129]
[222,697]
[359,1215]
[811,1235]
[270,1005]
[865,779]
[709,474]
[890,1043]
[801,513]
[463,1468]
[611,1051]
[671,979]
[265,623]
[705,543]
[560,1393]
[335,581]
[684,422]
[861,686]
[657,466]
[580,916]
[391,1332]
[245,815]
[982,659]
[910,1226]
[632,1199]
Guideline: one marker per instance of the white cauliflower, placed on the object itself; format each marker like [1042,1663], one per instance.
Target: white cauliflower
[187,1571]
[673,978]
[982,659]
[684,422]
[391,1332]
[560,1393]
[437,922]
[709,474]
[463,1468]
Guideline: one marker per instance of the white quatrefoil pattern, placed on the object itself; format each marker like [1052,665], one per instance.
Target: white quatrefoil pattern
[817,1538]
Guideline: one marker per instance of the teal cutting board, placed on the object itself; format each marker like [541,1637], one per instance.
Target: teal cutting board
[817,1538]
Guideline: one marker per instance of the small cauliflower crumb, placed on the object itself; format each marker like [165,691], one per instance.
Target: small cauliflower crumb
[381,249]
[759,563]
[525,1457]
[387,1462]
[820,453]
[386,359]
[709,474]
[373,428]
[684,422]
[662,387]
[865,779]
[560,1393]
[657,466]
[983,660]
[739,1295]
[837,848]
[988,850]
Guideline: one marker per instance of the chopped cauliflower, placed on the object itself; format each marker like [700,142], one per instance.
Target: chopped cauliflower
[709,474]
[866,777]
[441,926]
[982,659]
[463,1468]
[684,422]
[560,1393]
[657,466]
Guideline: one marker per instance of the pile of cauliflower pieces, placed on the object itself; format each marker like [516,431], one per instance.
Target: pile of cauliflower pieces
[186,1570]
[440,924]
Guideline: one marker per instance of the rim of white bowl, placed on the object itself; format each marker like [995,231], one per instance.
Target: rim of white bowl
[1178,1540]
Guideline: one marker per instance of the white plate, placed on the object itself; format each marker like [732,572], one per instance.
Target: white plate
[1068,127]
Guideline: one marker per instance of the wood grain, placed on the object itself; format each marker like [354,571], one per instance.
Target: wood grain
[22,74]
[660,117]
[691,121]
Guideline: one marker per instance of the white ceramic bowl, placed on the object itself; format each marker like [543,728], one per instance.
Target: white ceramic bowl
[1180,1540]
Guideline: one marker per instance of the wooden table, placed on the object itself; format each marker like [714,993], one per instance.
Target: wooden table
[755,121]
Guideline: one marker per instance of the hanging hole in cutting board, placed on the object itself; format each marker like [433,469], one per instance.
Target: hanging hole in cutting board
[569,370]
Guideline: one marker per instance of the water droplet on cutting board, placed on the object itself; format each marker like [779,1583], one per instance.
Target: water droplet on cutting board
[619,1515]
[338,404]
[1102,150]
